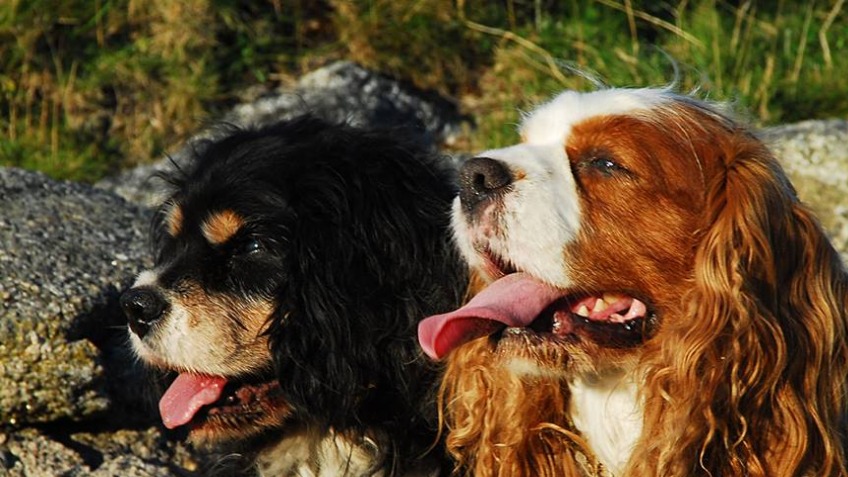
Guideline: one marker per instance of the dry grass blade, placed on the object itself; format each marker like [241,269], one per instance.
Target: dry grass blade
[658,22]
[510,36]
[799,57]
[831,16]
[631,23]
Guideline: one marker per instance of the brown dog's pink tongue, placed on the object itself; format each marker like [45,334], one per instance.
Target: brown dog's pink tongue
[514,300]
[186,395]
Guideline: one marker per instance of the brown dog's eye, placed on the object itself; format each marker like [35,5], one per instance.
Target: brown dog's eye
[601,164]
[605,164]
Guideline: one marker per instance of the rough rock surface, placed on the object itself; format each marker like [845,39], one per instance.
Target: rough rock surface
[69,391]
[346,92]
[119,452]
[67,251]
[815,155]
[342,92]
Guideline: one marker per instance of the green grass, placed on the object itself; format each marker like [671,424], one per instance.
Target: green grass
[766,62]
[91,86]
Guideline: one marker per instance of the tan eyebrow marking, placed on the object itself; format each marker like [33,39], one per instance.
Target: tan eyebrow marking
[174,220]
[221,226]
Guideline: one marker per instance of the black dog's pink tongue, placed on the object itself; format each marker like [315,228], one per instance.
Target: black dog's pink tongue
[186,395]
[514,300]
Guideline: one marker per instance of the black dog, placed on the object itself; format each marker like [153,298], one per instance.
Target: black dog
[294,262]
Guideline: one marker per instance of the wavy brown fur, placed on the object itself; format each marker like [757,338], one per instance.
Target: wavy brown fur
[505,425]
[751,380]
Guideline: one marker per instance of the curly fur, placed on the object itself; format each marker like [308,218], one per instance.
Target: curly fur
[505,425]
[761,338]
[368,256]
[746,373]
[354,249]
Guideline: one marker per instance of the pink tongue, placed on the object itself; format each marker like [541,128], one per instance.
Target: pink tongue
[514,300]
[187,394]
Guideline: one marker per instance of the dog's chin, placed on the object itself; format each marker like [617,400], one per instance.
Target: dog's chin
[244,411]
[530,353]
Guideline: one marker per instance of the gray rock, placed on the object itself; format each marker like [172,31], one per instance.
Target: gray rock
[815,155]
[66,251]
[29,453]
[72,400]
[141,185]
[346,92]
[340,92]
[125,453]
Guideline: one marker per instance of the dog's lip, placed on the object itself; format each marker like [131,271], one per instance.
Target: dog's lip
[519,300]
[626,322]
[193,398]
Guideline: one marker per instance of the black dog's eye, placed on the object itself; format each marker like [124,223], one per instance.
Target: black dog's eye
[249,246]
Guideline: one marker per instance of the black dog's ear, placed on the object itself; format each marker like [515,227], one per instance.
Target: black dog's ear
[318,348]
[370,256]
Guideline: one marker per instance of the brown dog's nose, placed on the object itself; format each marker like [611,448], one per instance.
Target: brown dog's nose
[143,307]
[482,178]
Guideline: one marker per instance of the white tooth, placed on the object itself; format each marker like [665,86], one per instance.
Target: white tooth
[600,305]
[610,298]
[557,325]
[583,310]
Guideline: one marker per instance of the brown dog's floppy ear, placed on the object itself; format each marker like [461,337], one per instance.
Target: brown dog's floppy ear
[755,368]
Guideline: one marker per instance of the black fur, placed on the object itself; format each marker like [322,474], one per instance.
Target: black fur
[354,226]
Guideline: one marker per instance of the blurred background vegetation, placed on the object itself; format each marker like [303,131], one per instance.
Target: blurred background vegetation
[91,86]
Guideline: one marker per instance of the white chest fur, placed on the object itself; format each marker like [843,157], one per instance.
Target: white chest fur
[305,454]
[606,410]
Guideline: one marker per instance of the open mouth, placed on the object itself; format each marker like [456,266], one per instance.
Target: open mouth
[612,319]
[218,407]
[519,300]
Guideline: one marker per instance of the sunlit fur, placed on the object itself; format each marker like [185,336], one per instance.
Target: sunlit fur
[746,372]
[750,379]
[505,424]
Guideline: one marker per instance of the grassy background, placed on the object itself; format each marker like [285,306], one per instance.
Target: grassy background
[91,86]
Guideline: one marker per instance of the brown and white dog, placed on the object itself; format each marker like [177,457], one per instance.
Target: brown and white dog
[661,303]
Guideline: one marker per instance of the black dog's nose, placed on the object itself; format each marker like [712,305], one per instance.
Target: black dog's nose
[143,307]
[481,178]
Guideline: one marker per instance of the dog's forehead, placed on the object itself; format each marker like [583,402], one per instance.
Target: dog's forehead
[552,122]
